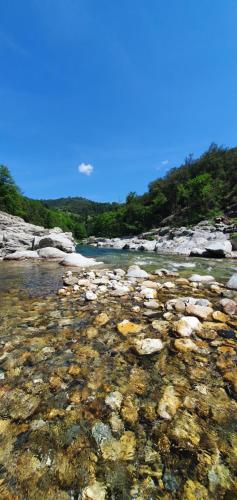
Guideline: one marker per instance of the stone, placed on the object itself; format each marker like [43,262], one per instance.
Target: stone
[129,410]
[229,306]
[19,236]
[232,283]
[187,325]
[185,431]
[169,403]
[94,491]
[102,319]
[90,296]
[78,260]
[219,477]
[148,346]
[201,312]
[22,255]
[137,272]
[197,278]
[218,249]
[51,253]
[126,326]
[120,291]
[194,490]
[220,316]
[150,284]
[152,304]
[148,293]
[18,404]
[185,345]
[114,400]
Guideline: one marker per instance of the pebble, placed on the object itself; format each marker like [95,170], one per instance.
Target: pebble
[187,325]
[148,346]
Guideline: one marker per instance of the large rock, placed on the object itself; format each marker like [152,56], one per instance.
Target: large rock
[218,249]
[22,255]
[18,236]
[51,253]
[78,260]
[136,272]
[232,283]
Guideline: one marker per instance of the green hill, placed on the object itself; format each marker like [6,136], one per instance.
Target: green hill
[200,188]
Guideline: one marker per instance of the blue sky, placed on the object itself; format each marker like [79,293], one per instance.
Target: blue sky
[128,87]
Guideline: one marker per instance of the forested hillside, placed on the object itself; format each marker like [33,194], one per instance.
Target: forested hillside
[199,188]
[34,211]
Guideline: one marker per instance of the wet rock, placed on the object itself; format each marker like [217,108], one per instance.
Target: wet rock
[114,400]
[22,255]
[150,284]
[18,405]
[185,431]
[120,291]
[51,253]
[148,346]
[101,432]
[136,272]
[77,260]
[187,325]
[229,306]
[232,283]
[194,490]
[125,327]
[201,312]
[169,403]
[152,304]
[197,278]
[185,345]
[129,410]
[219,316]
[102,319]
[161,326]
[231,376]
[219,478]
[95,491]
[90,296]
[148,293]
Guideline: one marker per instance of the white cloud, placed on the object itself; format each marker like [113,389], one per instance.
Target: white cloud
[85,168]
[165,162]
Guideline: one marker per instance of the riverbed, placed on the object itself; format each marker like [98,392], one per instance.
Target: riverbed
[62,358]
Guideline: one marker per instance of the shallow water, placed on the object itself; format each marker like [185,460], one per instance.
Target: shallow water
[57,365]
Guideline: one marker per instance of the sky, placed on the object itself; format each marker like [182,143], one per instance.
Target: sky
[100,97]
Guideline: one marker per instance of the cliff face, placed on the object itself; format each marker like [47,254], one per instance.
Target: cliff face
[16,235]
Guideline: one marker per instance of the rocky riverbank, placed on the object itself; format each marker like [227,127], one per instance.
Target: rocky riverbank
[203,240]
[123,385]
[22,241]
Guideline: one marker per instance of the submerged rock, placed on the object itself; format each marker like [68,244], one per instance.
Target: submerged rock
[126,326]
[187,325]
[95,491]
[169,403]
[148,346]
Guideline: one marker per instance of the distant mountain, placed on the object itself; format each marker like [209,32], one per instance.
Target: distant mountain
[80,206]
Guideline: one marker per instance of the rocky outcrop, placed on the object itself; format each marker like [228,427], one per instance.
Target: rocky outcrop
[202,240]
[20,240]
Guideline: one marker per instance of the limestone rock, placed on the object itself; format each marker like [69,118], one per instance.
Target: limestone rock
[187,325]
[136,272]
[169,403]
[148,346]
[185,345]
[232,283]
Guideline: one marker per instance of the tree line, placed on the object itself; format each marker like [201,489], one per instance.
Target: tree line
[200,188]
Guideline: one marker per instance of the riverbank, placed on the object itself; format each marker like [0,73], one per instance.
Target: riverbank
[117,385]
[206,239]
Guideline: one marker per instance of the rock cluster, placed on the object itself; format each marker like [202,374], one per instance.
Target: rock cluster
[202,240]
[22,241]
